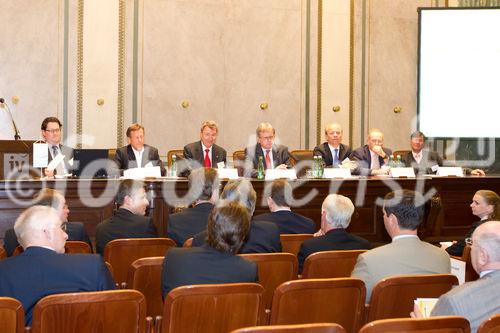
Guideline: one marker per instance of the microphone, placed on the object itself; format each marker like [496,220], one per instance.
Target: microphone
[17,135]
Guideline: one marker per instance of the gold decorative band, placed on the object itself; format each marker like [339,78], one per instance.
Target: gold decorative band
[319,74]
[121,73]
[79,75]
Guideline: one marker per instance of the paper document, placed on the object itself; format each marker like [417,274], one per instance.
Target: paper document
[40,155]
[55,162]
[425,305]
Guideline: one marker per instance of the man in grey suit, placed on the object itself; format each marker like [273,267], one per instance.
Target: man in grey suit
[273,155]
[204,153]
[424,161]
[476,300]
[406,254]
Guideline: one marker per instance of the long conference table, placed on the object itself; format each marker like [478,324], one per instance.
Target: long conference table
[447,212]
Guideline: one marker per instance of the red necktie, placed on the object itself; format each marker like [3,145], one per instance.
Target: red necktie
[207,162]
[268,160]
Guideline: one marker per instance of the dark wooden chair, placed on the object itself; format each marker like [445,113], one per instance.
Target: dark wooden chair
[450,324]
[330,264]
[301,328]
[394,297]
[291,243]
[188,242]
[102,311]
[490,325]
[301,155]
[179,154]
[239,161]
[273,269]
[121,253]
[11,315]
[3,254]
[211,308]
[144,275]
[320,301]
[71,247]
[401,153]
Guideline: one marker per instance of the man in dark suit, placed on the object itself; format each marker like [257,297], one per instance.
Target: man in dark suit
[372,157]
[129,220]
[43,269]
[287,221]
[274,156]
[333,151]
[51,198]
[216,261]
[127,157]
[336,213]
[264,236]
[422,160]
[204,185]
[204,153]
[51,133]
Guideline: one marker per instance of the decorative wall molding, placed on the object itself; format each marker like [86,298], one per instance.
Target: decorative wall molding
[79,74]
[319,71]
[121,73]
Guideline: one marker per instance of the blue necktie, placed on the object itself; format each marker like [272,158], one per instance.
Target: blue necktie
[336,157]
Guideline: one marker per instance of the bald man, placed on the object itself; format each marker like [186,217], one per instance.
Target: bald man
[333,151]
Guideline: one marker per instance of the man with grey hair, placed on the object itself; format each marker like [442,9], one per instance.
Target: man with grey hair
[476,300]
[43,268]
[336,212]
[264,236]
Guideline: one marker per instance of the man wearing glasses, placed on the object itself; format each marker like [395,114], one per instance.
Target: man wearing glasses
[477,300]
[51,133]
[273,155]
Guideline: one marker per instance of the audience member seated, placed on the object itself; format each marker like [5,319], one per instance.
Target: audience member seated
[129,220]
[216,261]
[264,236]
[204,153]
[407,254]
[287,221]
[373,156]
[43,268]
[333,151]
[336,213]
[274,156]
[476,300]
[485,205]
[51,133]
[203,183]
[51,198]
[137,154]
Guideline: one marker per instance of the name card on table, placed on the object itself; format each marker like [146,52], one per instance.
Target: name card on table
[229,173]
[458,269]
[141,173]
[402,172]
[272,174]
[450,171]
[336,173]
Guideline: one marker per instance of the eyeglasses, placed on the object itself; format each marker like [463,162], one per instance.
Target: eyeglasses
[64,226]
[53,131]
[468,241]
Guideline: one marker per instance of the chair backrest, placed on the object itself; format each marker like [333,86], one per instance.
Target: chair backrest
[111,153]
[470,272]
[301,155]
[121,253]
[188,242]
[273,269]
[239,161]
[71,247]
[301,328]
[490,325]
[330,264]
[144,275]
[100,311]
[393,297]
[212,308]
[3,254]
[11,315]
[450,324]
[402,153]
[179,154]
[291,243]
[339,301]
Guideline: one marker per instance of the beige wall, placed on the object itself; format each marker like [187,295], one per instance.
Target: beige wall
[224,57]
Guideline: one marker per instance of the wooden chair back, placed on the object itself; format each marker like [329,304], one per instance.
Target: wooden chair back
[239,161]
[188,242]
[3,254]
[330,264]
[490,325]
[470,272]
[212,308]
[11,315]
[102,311]
[111,153]
[179,154]
[121,253]
[393,297]
[144,275]
[450,324]
[273,269]
[402,153]
[301,328]
[71,247]
[339,301]
[301,155]
[291,243]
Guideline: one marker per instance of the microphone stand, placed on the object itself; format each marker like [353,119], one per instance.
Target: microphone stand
[17,135]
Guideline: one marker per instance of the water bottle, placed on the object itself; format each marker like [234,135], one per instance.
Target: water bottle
[173,168]
[321,167]
[260,168]
[391,163]
[315,167]
[400,163]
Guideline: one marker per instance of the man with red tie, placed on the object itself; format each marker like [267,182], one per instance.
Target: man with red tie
[273,155]
[204,153]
